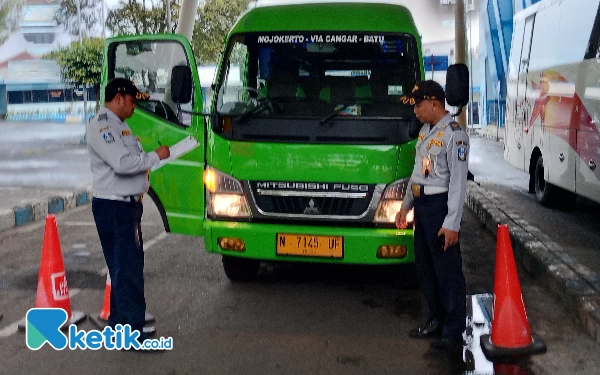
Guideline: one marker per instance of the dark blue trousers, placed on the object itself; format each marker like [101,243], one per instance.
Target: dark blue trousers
[439,272]
[119,228]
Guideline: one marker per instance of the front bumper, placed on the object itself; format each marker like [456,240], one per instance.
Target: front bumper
[360,244]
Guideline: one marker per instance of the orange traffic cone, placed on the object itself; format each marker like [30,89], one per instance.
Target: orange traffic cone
[511,336]
[100,320]
[52,289]
[105,310]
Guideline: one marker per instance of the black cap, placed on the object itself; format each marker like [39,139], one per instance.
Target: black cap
[125,87]
[423,91]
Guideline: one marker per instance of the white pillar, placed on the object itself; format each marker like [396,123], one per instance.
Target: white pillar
[187,18]
[103,20]
[168,31]
[81,44]
[79,20]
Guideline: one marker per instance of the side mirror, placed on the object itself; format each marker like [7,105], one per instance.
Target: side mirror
[457,85]
[181,84]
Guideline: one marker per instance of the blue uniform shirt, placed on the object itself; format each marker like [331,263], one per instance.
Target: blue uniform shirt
[442,150]
[119,166]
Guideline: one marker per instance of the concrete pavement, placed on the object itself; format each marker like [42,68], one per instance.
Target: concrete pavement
[295,319]
[573,283]
[554,263]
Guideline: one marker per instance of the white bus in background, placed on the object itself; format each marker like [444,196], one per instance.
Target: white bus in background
[553,100]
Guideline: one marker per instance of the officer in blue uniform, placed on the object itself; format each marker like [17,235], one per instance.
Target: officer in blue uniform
[437,194]
[120,179]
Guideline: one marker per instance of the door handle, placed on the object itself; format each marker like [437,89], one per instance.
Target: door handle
[592,165]
[561,157]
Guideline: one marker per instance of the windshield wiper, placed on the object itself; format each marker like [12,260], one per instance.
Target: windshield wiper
[328,118]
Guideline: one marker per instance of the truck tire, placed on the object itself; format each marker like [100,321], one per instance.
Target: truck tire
[240,269]
[567,200]
[545,192]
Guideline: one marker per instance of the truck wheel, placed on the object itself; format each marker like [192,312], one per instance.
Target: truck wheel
[567,200]
[545,192]
[240,269]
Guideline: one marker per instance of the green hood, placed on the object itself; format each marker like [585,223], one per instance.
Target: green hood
[314,163]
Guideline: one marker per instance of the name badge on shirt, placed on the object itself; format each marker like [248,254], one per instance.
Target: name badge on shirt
[426,166]
[108,137]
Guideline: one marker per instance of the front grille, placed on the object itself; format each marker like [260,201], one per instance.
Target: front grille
[319,206]
[310,204]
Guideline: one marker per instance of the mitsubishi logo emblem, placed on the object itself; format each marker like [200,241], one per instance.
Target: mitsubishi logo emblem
[311,209]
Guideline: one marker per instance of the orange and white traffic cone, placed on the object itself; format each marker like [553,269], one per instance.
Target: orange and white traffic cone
[100,320]
[511,336]
[52,289]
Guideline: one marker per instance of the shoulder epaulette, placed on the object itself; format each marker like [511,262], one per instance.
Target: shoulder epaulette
[455,126]
[103,117]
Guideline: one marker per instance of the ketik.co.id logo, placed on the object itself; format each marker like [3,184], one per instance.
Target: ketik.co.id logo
[43,326]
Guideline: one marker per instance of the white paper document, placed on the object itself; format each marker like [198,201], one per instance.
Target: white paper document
[182,147]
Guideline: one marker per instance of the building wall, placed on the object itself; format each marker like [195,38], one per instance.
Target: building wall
[33,85]
[496,35]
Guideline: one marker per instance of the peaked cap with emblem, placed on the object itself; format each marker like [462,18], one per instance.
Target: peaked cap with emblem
[425,90]
[125,87]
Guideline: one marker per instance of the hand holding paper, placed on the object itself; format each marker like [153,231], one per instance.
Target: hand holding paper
[180,148]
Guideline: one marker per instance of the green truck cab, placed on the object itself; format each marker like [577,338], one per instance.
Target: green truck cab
[307,150]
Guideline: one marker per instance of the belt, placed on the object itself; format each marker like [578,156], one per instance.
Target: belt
[419,190]
[129,198]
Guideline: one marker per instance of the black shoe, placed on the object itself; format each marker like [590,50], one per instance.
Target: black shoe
[448,344]
[433,329]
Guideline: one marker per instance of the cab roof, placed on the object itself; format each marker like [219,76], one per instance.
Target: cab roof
[327,16]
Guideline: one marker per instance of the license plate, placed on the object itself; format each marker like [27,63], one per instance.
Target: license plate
[310,246]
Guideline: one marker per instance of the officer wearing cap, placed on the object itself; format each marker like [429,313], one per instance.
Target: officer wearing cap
[437,194]
[120,178]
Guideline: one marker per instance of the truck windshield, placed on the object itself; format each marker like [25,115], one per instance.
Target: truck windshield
[316,78]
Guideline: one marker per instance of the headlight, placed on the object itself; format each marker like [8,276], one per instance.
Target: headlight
[225,196]
[391,202]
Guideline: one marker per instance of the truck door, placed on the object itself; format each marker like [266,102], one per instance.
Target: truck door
[523,108]
[148,61]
